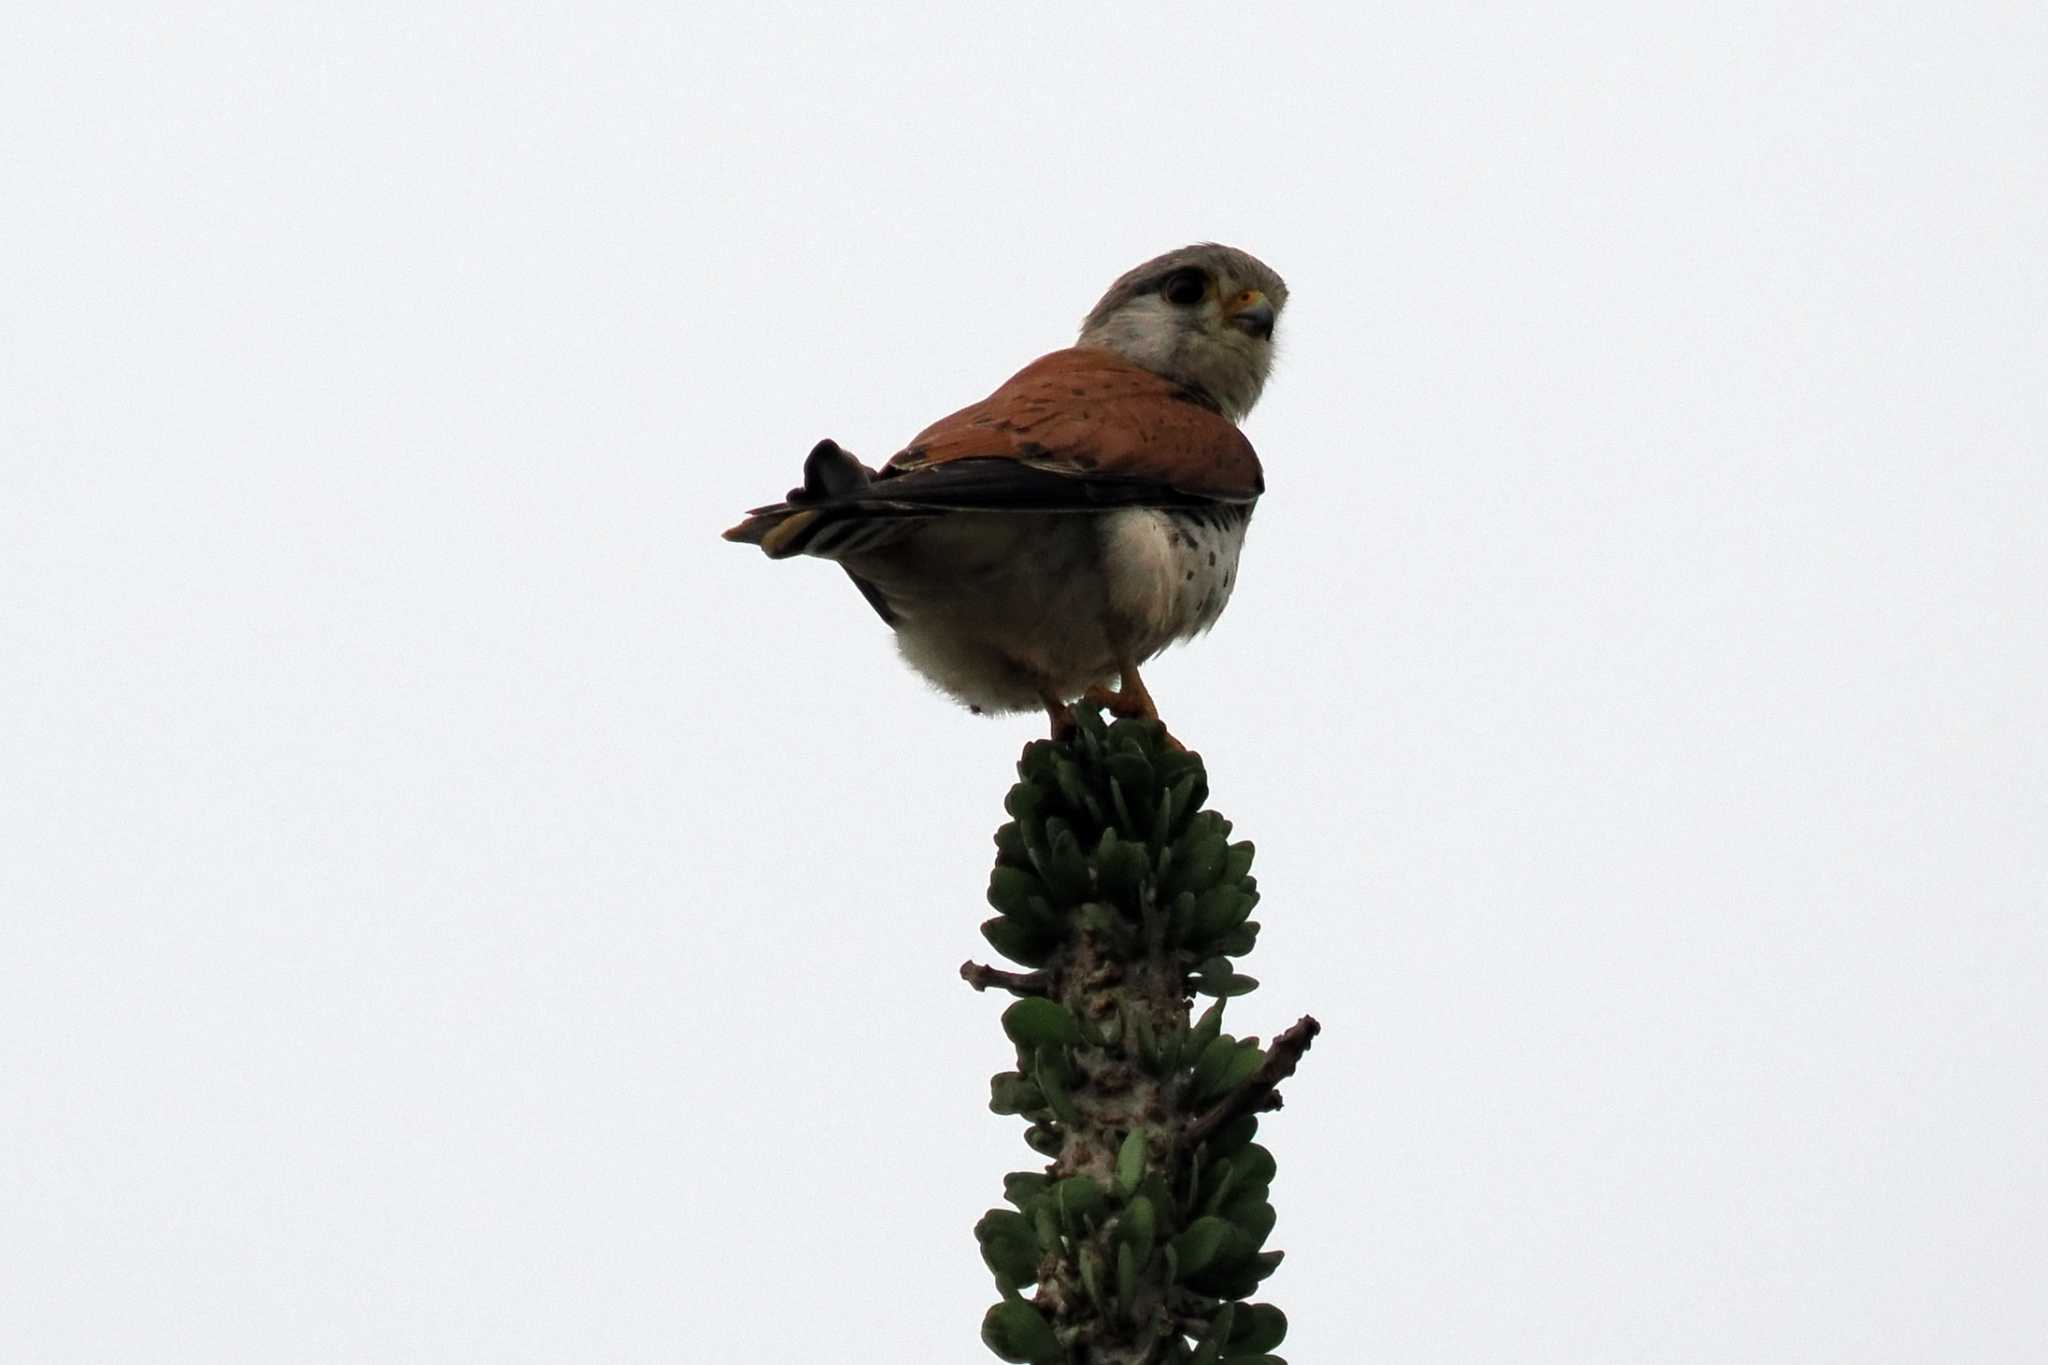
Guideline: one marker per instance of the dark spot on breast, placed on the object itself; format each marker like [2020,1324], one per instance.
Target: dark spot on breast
[1212,559]
[1191,576]
[1078,393]
[1031,450]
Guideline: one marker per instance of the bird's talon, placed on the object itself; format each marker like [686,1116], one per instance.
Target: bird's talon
[1064,726]
[1126,704]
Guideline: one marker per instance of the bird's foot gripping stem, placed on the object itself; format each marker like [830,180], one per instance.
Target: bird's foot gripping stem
[1061,715]
[1130,701]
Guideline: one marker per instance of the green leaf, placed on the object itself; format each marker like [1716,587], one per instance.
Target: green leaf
[1239,862]
[1079,1199]
[1131,771]
[1199,1245]
[1037,759]
[1210,1063]
[1156,1191]
[1051,1078]
[1023,802]
[1196,865]
[1231,1138]
[1121,804]
[1138,1227]
[1148,735]
[1038,1022]
[1016,1331]
[1241,984]
[1256,1168]
[1216,912]
[1036,914]
[1204,824]
[1252,1215]
[1239,941]
[1121,866]
[1088,727]
[1045,1220]
[1043,1139]
[1018,942]
[1126,1278]
[1231,1272]
[1101,917]
[1011,888]
[1139,1027]
[1231,1282]
[1218,1332]
[1010,844]
[1166,815]
[1010,1093]
[1091,1277]
[1009,1246]
[1063,864]
[1217,1181]
[1190,792]
[1213,977]
[1074,787]
[1021,1187]
[1207,1029]
[1130,1163]
[1237,1068]
[1258,1328]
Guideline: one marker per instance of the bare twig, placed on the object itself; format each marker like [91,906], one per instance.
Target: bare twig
[1257,1093]
[1016,983]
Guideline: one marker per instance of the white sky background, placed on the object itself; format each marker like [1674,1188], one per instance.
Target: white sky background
[456,909]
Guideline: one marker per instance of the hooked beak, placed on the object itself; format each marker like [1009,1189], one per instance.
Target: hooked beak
[1250,313]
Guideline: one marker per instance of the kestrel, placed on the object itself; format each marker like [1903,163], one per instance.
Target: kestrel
[1078,520]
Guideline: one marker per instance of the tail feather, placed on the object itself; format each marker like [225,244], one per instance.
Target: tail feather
[826,516]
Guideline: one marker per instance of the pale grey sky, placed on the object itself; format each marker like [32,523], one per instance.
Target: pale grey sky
[458,910]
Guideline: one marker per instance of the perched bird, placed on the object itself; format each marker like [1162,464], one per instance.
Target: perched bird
[1087,514]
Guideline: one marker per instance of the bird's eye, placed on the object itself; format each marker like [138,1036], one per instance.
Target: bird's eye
[1185,287]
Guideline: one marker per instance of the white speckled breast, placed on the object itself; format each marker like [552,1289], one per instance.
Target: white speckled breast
[998,609]
[1170,572]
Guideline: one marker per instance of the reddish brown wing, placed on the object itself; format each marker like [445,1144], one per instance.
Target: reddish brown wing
[1088,414]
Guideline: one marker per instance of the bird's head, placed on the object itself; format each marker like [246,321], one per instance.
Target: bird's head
[1202,316]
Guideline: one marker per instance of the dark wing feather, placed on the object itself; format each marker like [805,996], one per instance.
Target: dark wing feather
[1077,430]
[1093,416]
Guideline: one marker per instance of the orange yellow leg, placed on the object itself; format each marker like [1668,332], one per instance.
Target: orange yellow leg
[1061,716]
[1130,700]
